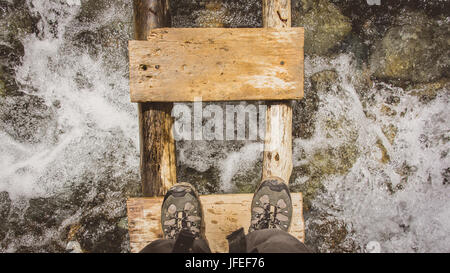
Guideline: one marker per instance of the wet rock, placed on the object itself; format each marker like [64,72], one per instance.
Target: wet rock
[206,182]
[47,212]
[325,26]
[324,81]
[91,10]
[446,176]
[414,50]
[393,100]
[247,180]
[49,247]
[371,22]
[388,111]
[390,131]
[35,228]
[214,15]
[74,247]
[27,118]
[196,162]
[16,22]
[327,234]
[322,164]
[385,158]
[123,223]
[218,13]
[5,207]
[2,88]
[404,171]
[428,91]
[104,39]
[10,57]
[334,161]
[98,234]
[100,227]
[305,110]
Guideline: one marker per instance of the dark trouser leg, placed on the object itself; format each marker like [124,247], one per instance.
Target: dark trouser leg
[274,241]
[166,246]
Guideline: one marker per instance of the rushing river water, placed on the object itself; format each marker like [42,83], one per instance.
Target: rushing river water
[374,167]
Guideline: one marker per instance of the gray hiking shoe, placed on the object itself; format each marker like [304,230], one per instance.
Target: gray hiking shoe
[181,210]
[271,206]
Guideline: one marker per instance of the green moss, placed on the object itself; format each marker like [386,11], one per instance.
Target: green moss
[324,24]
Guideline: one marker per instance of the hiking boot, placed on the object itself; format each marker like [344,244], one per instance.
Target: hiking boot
[181,210]
[271,206]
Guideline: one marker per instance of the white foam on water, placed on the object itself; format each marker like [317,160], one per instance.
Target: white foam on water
[415,217]
[242,160]
[86,114]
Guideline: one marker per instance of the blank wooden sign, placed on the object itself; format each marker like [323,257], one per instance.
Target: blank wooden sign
[217,64]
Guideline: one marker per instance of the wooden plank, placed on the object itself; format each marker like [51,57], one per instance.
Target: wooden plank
[217,64]
[277,158]
[223,214]
[157,145]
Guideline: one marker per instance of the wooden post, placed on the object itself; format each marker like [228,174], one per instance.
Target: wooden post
[277,160]
[157,145]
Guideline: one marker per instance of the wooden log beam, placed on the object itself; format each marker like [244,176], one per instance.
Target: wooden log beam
[223,214]
[277,161]
[157,145]
[217,64]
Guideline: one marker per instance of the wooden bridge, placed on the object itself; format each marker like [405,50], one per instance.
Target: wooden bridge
[170,65]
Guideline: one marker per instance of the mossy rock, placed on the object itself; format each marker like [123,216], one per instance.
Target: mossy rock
[429,91]
[390,131]
[204,182]
[247,180]
[28,119]
[334,161]
[327,234]
[415,50]
[385,158]
[214,15]
[322,164]
[91,9]
[304,113]
[325,26]
[324,81]
[18,20]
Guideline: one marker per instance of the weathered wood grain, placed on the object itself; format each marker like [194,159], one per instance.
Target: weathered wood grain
[217,64]
[277,158]
[157,145]
[223,214]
